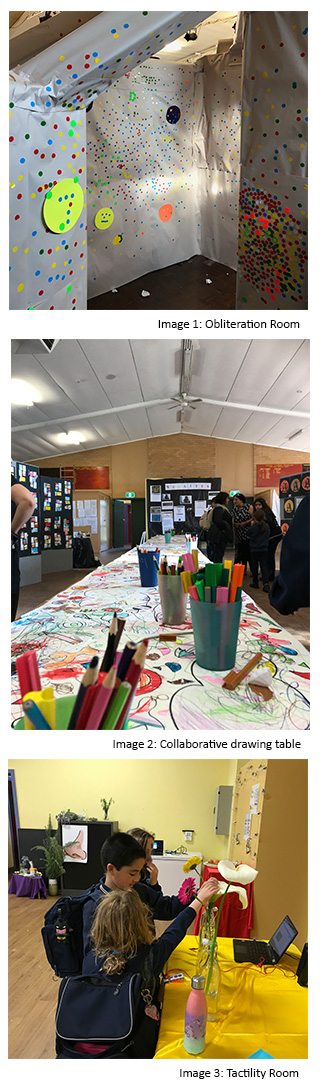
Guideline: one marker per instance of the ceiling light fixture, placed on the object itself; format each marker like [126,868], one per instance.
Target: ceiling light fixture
[71,437]
[22,393]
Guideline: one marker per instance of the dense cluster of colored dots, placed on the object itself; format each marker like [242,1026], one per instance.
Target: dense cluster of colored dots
[142,158]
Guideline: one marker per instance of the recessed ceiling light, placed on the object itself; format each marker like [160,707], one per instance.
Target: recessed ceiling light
[22,393]
[71,437]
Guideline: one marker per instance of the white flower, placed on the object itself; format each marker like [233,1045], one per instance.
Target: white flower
[240,890]
[243,873]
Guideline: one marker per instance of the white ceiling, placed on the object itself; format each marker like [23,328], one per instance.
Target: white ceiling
[74,393]
[28,37]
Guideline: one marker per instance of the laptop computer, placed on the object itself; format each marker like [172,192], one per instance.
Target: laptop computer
[252,950]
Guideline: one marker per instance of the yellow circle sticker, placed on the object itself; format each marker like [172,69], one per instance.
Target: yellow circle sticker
[104,218]
[63,206]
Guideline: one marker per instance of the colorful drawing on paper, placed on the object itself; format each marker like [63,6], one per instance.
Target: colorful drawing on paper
[174,692]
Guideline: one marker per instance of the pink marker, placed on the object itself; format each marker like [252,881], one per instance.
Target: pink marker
[221,595]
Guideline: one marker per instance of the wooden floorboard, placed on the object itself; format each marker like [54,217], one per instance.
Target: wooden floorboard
[32,990]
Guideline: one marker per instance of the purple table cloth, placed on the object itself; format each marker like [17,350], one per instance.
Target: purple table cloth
[27,886]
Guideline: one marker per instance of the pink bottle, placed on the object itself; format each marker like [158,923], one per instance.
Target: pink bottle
[196,1017]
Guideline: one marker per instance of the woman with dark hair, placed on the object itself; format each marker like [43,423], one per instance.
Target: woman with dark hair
[220,533]
[260,504]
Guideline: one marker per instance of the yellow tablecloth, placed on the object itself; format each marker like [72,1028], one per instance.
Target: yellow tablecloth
[257,1010]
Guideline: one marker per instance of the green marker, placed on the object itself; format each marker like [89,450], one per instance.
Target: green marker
[118,703]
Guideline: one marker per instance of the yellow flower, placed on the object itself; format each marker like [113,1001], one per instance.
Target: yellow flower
[191,863]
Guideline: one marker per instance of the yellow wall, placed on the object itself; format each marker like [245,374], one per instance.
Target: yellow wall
[163,796]
[131,463]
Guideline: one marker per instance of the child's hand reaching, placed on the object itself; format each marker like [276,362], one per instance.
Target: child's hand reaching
[207,891]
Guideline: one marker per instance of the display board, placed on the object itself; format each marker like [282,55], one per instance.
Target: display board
[273,184]
[178,503]
[56,513]
[29,535]
[292,489]
[80,875]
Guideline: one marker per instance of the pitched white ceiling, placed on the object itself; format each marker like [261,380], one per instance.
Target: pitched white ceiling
[103,389]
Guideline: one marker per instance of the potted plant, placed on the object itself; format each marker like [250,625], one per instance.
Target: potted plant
[105,806]
[54,857]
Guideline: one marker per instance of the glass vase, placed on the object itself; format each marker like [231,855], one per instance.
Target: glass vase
[207,962]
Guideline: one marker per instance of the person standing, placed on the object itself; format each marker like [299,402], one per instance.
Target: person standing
[259,534]
[220,532]
[242,515]
[260,504]
[23,504]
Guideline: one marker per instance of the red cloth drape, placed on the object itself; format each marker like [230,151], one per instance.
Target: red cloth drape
[234,922]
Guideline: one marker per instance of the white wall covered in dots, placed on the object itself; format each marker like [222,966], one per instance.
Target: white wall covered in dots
[155,173]
[48,99]
[273,192]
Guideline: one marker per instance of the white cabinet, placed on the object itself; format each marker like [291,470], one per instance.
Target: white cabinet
[171,873]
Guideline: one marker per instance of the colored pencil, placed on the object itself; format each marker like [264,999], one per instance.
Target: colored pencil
[127,655]
[122,696]
[110,649]
[132,677]
[86,707]
[36,718]
[102,696]
[89,678]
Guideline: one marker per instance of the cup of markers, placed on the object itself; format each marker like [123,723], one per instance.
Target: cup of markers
[147,568]
[173,597]
[215,599]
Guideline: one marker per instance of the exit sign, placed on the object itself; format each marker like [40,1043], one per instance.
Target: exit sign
[129,495]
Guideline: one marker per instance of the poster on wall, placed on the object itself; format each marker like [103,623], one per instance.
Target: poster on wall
[75,844]
[179,514]
[155,493]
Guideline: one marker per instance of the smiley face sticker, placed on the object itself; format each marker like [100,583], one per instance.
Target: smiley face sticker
[63,206]
[104,218]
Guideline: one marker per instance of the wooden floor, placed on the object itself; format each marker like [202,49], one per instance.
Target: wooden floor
[32,989]
[178,286]
[36,594]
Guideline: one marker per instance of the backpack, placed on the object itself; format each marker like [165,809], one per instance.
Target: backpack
[62,934]
[206,519]
[220,535]
[112,1011]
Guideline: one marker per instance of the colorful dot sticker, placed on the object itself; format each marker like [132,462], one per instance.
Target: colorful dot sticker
[104,218]
[117,239]
[63,206]
[165,213]
[173,114]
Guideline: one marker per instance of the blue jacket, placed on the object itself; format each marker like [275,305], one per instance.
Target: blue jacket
[161,948]
[163,908]
[258,542]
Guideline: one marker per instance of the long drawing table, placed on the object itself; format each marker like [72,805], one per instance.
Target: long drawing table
[257,1009]
[174,692]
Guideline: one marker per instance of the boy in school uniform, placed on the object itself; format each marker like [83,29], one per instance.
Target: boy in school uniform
[122,859]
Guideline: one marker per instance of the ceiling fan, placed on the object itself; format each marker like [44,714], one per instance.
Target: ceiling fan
[185,401]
